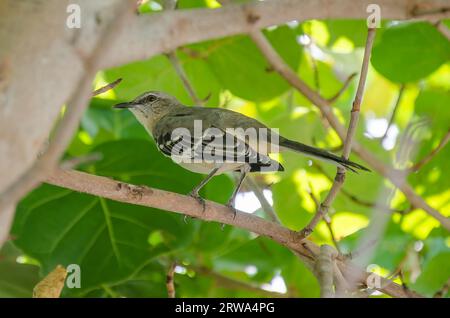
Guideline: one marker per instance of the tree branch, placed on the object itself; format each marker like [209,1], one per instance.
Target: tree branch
[65,129]
[173,202]
[128,193]
[107,87]
[153,34]
[388,172]
[340,175]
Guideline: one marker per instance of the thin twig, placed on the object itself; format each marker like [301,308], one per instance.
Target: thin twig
[170,283]
[227,282]
[394,111]
[327,218]
[443,29]
[355,198]
[106,88]
[340,175]
[343,88]
[182,75]
[418,165]
[328,221]
[64,131]
[265,205]
[172,56]
[442,292]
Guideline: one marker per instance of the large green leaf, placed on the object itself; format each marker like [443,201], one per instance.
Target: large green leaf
[289,205]
[16,280]
[353,30]
[109,240]
[435,275]
[241,68]
[410,51]
[264,254]
[160,75]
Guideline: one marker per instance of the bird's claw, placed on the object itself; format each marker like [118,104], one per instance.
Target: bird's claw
[233,209]
[199,199]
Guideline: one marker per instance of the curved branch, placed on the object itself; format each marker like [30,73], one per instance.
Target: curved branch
[173,202]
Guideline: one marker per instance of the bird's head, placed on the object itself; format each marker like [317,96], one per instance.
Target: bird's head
[150,106]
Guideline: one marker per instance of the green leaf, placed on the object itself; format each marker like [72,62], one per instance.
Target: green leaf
[432,102]
[289,205]
[353,30]
[158,74]
[435,274]
[264,254]
[240,67]
[410,51]
[299,279]
[16,280]
[108,239]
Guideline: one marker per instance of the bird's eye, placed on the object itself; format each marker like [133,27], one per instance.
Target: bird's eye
[148,99]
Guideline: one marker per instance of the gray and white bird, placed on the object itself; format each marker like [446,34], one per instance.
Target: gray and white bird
[214,140]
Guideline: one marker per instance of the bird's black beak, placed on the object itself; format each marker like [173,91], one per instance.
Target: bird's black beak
[125,105]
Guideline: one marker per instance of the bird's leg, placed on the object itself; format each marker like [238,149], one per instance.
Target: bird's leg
[194,192]
[244,170]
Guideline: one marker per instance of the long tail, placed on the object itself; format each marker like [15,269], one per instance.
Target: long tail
[321,154]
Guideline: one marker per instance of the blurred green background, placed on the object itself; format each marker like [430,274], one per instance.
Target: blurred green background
[125,250]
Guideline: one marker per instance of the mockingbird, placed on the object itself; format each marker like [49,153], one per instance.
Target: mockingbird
[214,140]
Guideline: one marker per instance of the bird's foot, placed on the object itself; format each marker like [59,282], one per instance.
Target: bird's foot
[233,209]
[199,199]
[230,205]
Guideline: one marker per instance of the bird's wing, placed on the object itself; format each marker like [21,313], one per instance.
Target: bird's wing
[258,136]
[178,136]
